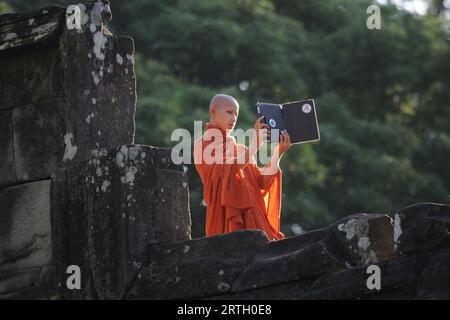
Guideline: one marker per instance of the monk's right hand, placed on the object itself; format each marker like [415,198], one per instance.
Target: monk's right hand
[261,132]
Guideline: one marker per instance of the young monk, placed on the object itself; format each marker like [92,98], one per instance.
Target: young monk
[238,194]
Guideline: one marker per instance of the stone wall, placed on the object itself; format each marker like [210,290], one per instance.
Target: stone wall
[412,254]
[76,191]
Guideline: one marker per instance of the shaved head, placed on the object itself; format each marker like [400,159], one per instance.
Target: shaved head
[220,100]
[223,111]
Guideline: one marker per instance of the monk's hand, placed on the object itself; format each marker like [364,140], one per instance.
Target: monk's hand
[285,142]
[261,132]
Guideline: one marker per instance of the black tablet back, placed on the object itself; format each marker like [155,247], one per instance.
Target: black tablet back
[298,118]
[300,121]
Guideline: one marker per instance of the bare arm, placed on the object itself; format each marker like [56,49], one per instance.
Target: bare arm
[260,134]
[273,166]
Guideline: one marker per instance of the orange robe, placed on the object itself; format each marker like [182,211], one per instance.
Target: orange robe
[234,196]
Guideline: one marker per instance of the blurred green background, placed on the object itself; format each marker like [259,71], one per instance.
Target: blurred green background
[382,96]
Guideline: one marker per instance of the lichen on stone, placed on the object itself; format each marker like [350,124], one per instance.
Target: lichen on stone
[70,150]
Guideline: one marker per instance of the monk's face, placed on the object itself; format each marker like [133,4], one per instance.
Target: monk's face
[225,115]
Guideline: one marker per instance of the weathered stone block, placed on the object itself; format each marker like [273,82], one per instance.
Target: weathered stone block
[28,76]
[286,260]
[109,209]
[35,283]
[37,139]
[33,27]
[25,231]
[422,227]
[361,239]
[100,79]
[196,268]
[434,280]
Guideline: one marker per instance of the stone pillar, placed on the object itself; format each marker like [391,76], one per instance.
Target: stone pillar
[109,209]
[62,92]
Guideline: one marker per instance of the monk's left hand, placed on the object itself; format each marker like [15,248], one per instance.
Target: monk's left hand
[285,142]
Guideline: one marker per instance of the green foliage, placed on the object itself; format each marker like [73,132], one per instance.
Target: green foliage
[382,96]
[5,7]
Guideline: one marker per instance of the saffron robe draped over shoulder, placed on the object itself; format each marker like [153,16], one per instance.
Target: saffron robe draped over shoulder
[235,197]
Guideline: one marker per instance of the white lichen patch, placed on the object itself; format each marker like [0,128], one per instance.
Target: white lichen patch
[71,150]
[44,28]
[84,17]
[105,185]
[185,184]
[99,171]
[99,45]
[222,286]
[133,152]
[364,242]
[397,227]
[119,59]
[94,101]
[95,78]
[370,257]
[121,156]
[96,13]
[221,273]
[129,176]
[30,21]
[130,58]
[92,27]
[359,228]
[89,118]
[98,153]
[10,36]
[354,227]
[186,249]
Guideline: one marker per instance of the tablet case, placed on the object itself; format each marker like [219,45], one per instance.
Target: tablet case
[297,117]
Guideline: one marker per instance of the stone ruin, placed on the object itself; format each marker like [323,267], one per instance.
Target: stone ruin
[76,190]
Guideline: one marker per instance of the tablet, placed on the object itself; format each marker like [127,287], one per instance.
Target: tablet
[297,117]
